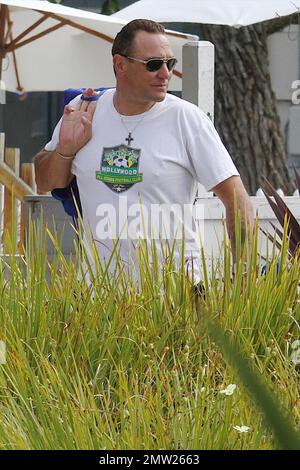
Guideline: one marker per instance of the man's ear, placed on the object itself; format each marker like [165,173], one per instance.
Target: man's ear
[119,64]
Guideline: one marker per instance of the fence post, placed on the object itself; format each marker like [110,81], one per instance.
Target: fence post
[28,176]
[198,75]
[198,65]
[12,159]
[2,150]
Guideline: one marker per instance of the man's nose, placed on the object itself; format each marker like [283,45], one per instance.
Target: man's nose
[164,71]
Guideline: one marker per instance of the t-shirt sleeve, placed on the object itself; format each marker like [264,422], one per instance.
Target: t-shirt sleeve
[210,161]
[52,144]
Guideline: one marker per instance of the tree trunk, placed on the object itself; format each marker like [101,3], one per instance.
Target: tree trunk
[245,105]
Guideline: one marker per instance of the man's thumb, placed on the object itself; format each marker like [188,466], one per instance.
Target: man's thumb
[68,109]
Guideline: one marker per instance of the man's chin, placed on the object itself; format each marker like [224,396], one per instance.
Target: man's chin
[160,96]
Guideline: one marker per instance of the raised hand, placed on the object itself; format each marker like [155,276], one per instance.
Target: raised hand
[76,126]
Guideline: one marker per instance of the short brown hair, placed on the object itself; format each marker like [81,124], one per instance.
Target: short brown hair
[123,40]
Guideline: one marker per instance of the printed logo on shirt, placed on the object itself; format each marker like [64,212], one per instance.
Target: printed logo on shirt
[119,168]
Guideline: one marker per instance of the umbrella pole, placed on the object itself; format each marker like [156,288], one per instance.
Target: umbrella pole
[3,16]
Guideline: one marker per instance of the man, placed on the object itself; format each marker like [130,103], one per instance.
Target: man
[138,145]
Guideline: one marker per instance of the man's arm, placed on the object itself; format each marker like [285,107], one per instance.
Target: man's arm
[52,171]
[53,168]
[229,190]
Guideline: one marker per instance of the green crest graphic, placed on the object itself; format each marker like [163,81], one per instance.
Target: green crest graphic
[119,168]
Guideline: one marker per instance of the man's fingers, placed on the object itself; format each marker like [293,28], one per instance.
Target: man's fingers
[87,108]
[68,109]
[84,105]
[89,92]
[86,122]
[91,109]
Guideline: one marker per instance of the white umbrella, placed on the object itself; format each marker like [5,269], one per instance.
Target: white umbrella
[224,12]
[49,47]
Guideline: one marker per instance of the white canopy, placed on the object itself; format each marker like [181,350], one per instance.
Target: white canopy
[224,12]
[54,47]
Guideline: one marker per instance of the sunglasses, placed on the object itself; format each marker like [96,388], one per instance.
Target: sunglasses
[153,65]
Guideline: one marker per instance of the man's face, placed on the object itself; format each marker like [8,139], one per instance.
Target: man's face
[145,86]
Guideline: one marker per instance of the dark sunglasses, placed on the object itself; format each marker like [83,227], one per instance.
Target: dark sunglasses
[153,65]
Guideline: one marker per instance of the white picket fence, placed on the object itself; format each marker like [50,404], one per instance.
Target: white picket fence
[209,210]
[214,215]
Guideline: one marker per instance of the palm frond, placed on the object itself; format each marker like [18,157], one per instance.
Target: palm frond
[297,175]
[283,213]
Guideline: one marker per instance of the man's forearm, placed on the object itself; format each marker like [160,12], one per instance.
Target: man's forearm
[52,171]
[233,194]
[244,206]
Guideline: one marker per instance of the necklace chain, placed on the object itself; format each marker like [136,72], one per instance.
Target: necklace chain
[130,138]
[130,132]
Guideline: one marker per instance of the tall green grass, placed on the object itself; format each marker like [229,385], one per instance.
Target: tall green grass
[122,366]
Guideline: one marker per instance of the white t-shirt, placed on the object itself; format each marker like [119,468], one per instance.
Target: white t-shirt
[139,192]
